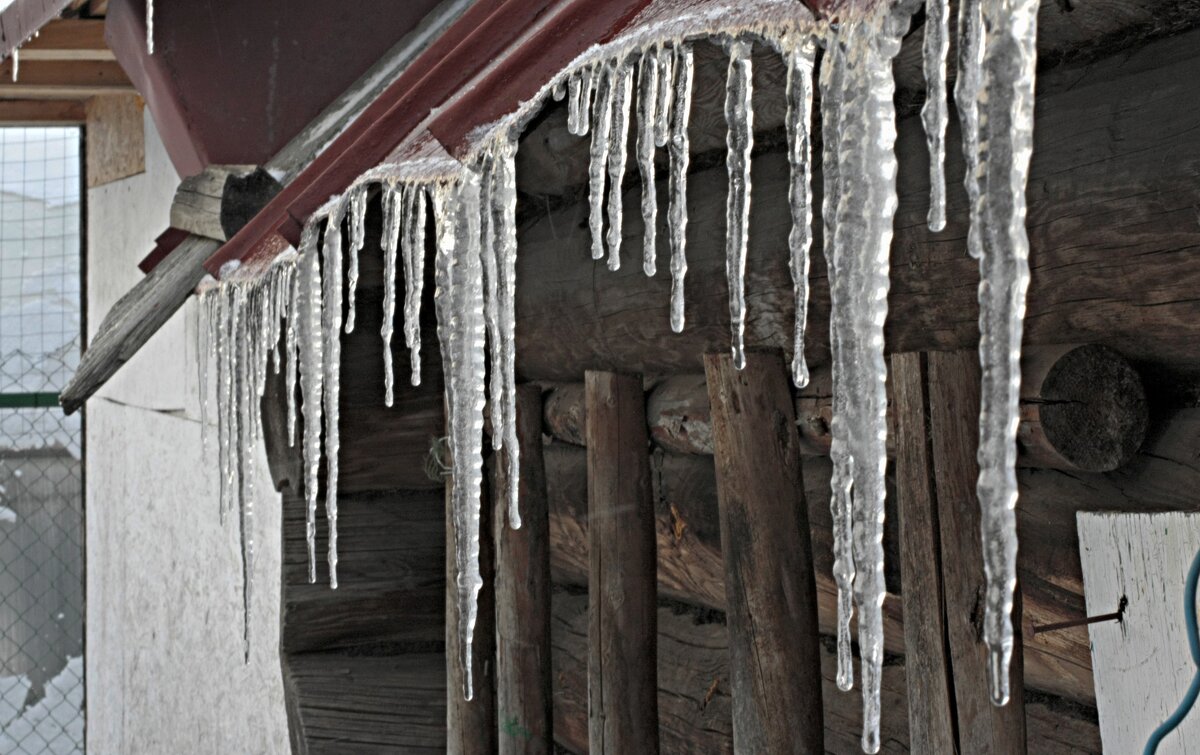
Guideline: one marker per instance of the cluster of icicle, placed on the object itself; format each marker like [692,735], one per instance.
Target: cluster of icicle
[243,318]
[643,80]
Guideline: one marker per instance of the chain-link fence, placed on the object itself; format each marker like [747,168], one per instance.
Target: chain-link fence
[41,461]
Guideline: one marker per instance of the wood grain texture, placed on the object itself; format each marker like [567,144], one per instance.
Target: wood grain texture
[471,727]
[930,686]
[954,431]
[33,112]
[771,601]
[1142,664]
[116,140]
[524,706]
[622,626]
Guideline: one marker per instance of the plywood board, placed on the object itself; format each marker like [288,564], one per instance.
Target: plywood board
[1142,664]
[116,138]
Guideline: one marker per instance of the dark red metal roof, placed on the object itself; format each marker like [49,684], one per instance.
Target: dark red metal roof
[232,81]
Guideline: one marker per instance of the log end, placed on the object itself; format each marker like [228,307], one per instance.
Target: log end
[1093,410]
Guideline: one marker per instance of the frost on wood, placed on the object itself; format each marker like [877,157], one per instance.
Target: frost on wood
[643,80]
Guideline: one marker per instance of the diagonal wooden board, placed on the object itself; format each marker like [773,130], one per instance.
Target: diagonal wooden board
[1142,665]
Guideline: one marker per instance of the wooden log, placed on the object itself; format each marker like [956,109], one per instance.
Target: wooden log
[220,200]
[954,432]
[523,695]
[1083,408]
[622,627]
[471,724]
[930,687]
[770,591]
[1092,163]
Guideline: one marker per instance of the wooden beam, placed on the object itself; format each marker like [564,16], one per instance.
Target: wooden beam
[68,39]
[42,112]
[69,79]
[931,724]
[523,692]
[622,623]
[954,430]
[471,724]
[135,317]
[770,590]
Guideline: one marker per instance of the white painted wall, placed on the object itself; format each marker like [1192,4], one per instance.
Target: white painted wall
[1142,665]
[165,672]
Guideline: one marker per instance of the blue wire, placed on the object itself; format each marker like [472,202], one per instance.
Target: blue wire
[1189,698]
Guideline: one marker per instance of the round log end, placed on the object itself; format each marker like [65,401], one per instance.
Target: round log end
[1092,408]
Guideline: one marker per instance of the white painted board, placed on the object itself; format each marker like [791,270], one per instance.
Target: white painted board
[1142,665]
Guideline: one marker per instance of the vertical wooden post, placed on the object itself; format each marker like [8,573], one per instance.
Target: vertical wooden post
[523,697]
[954,422]
[931,721]
[622,576]
[775,657]
[471,724]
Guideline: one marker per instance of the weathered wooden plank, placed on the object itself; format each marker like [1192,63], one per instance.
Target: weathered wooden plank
[137,316]
[41,112]
[1142,664]
[370,704]
[523,694]
[471,724]
[767,550]
[930,686]
[622,633]
[954,431]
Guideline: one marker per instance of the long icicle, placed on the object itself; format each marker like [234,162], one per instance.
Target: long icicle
[312,379]
[739,114]
[393,200]
[799,117]
[491,302]
[647,121]
[504,203]
[832,82]
[934,112]
[358,233]
[967,88]
[459,299]
[332,265]
[677,215]
[1006,144]
[293,368]
[414,277]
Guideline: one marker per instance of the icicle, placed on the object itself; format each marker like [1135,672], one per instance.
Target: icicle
[293,309]
[559,92]
[677,216]
[866,206]
[332,266]
[233,479]
[799,117]
[575,104]
[831,81]
[491,303]
[16,63]
[204,319]
[933,113]
[150,27]
[1005,143]
[665,63]
[393,207]
[245,371]
[312,378]
[504,203]
[459,300]
[358,213]
[739,114]
[597,167]
[587,88]
[967,89]
[618,138]
[647,125]
[414,276]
